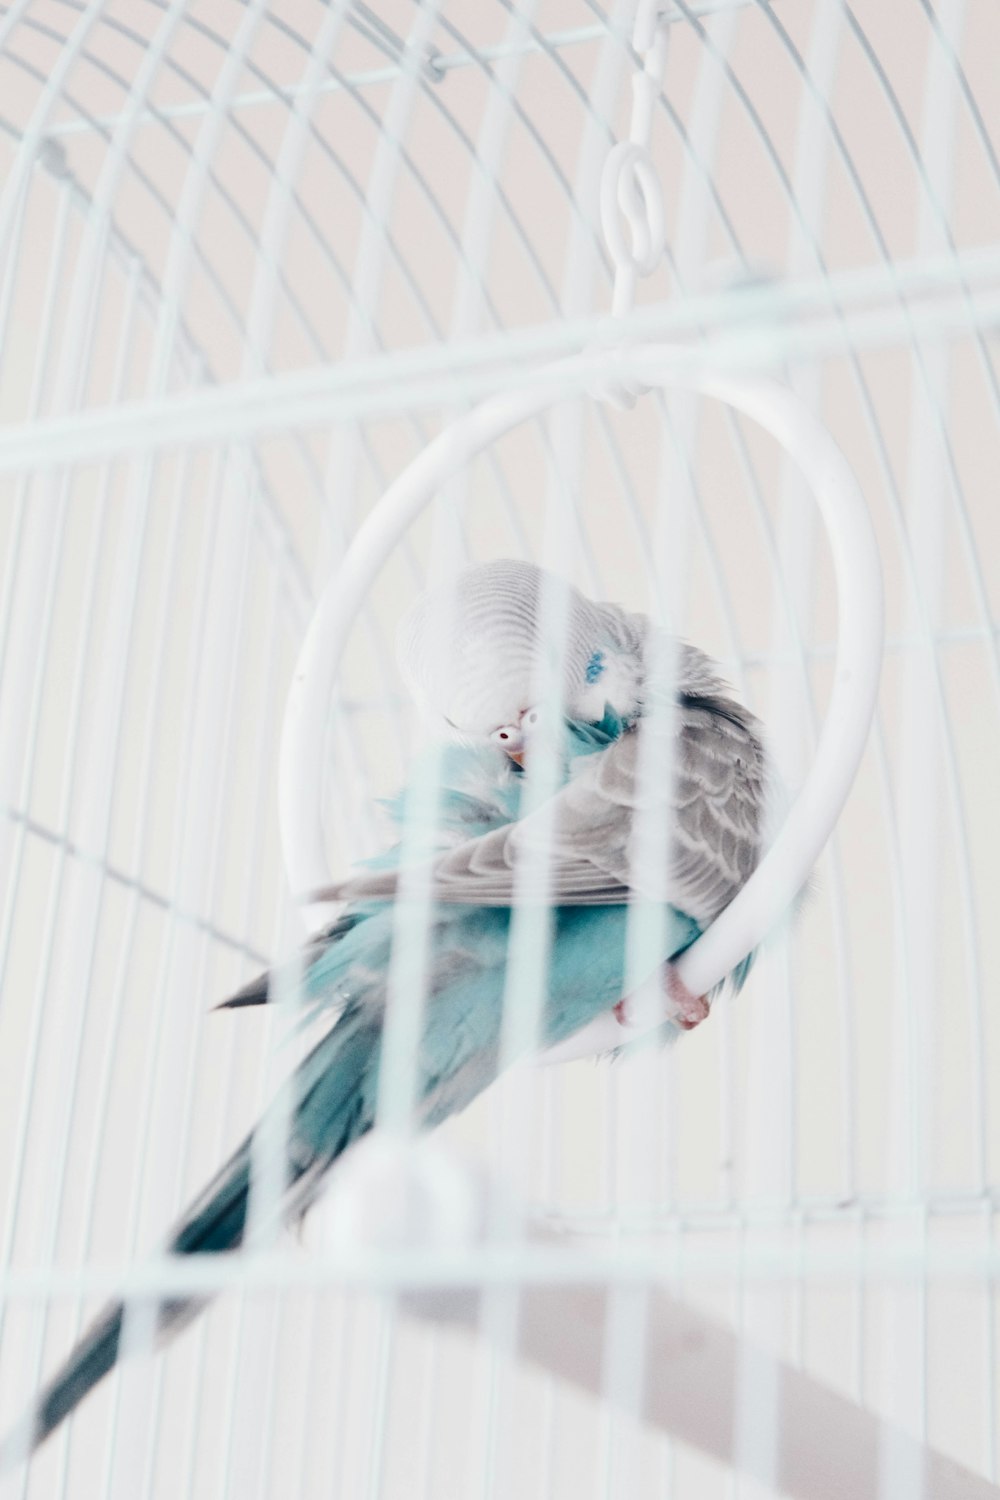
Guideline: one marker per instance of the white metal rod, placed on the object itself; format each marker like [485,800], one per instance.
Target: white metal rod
[765,334]
[443,62]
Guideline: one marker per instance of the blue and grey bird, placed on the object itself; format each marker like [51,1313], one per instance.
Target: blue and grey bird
[474,654]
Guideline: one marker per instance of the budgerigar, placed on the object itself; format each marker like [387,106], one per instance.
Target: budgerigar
[474,653]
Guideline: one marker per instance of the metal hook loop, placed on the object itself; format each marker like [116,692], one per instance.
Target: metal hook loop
[630,189]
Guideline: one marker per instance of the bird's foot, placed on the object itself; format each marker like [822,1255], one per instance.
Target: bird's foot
[685,1009]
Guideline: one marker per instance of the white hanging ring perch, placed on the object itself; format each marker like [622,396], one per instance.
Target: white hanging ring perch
[767,895]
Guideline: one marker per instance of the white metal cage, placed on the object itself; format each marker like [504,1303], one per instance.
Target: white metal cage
[254,259]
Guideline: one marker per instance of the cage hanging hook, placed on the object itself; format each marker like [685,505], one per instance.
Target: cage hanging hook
[631,189]
[629,185]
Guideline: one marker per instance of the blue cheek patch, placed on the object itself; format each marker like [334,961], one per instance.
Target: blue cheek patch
[595,667]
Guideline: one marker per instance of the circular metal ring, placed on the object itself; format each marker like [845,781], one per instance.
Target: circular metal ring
[779,877]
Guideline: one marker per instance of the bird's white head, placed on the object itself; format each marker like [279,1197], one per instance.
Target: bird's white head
[485,649]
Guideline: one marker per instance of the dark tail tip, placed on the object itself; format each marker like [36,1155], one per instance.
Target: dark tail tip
[88,1364]
[257,992]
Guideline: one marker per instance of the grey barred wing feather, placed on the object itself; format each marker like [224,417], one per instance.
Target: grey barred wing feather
[579,848]
[722,793]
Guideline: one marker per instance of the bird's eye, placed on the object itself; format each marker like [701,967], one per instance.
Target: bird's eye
[507,735]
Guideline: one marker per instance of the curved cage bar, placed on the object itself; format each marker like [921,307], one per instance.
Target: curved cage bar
[256,261]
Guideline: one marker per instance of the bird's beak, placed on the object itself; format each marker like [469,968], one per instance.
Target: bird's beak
[517,756]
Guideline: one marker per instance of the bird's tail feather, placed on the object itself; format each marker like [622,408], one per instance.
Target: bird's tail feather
[214,1223]
[91,1360]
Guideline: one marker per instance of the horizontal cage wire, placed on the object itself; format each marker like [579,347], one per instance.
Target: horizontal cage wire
[258,260]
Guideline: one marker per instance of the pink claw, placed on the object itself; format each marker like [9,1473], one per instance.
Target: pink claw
[683,1008]
[687,1009]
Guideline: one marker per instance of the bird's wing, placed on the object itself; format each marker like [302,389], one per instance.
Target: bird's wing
[721,796]
[578,848]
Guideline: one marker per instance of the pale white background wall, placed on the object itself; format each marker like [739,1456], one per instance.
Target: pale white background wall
[151,608]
